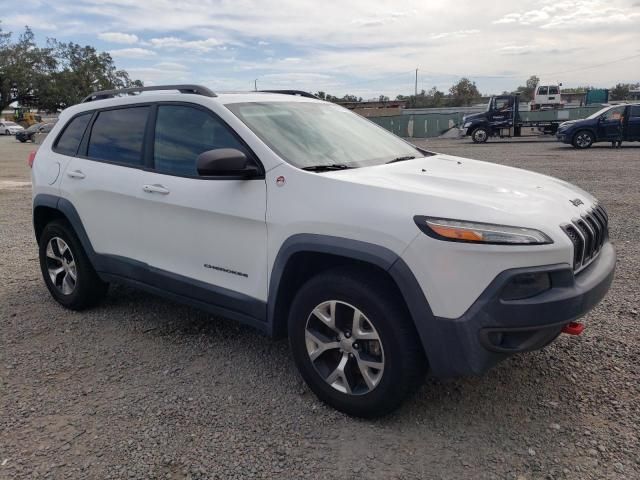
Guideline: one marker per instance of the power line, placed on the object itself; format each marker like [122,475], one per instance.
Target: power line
[426,74]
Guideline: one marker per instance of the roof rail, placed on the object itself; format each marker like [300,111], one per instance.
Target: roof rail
[195,89]
[299,93]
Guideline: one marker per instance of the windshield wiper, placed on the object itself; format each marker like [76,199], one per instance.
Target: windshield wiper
[402,159]
[327,167]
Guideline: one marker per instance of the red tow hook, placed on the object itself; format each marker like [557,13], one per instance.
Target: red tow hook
[573,328]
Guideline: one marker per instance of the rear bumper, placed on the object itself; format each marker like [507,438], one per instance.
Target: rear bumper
[493,329]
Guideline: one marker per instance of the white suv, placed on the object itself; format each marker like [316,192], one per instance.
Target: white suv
[298,217]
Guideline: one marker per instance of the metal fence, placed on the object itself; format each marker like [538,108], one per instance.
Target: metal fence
[428,125]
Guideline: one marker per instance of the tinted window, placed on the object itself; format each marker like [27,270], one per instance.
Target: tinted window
[635,111]
[542,91]
[72,135]
[183,133]
[117,135]
[553,90]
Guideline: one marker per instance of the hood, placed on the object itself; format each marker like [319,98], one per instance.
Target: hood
[444,185]
[579,122]
[474,116]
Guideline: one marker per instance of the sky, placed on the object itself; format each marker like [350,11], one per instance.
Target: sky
[361,47]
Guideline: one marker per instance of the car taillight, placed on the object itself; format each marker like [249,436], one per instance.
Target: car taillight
[32,157]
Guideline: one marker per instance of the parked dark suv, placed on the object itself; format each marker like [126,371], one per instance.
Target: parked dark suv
[30,133]
[613,123]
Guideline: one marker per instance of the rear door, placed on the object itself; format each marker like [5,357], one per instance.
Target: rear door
[210,230]
[610,124]
[633,124]
[104,181]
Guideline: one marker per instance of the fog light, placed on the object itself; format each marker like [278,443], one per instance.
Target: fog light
[526,285]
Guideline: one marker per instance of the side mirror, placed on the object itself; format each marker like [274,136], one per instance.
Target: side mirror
[227,162]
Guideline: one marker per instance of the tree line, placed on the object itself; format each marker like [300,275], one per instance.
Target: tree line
[466,93]
[55,76]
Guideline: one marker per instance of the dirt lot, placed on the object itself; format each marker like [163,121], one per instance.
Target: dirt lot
[143,388]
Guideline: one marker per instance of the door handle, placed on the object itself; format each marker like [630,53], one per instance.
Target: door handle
[156,188]
[76,174]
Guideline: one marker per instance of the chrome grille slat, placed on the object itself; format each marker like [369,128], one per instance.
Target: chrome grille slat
[587,234]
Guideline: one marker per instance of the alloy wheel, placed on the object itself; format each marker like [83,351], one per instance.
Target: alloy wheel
[61,266]
[583,140]
[344,347]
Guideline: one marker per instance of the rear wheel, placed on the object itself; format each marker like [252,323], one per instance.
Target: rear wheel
[354,343]
[66,269]
[480,135]
[583,139]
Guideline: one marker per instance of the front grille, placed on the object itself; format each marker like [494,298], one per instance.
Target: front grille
[587,233]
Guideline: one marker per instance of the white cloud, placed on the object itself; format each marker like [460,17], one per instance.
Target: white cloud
[364,45]
[577,14]
[179,43]
[134,52]
[118,37]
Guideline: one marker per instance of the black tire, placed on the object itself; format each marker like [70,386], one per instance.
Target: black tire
[88,288]
[7,132]
[404,360]
[22,140]
[480,135]
[583,139]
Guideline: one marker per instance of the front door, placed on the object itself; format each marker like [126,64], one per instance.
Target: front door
[203,229]
[501,114]
[610,124]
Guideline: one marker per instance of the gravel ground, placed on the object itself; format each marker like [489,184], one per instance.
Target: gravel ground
[143,388]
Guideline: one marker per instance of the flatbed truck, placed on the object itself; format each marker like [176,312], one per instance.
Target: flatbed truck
[503,119]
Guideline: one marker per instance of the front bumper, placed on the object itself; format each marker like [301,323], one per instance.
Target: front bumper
[492,328]
[563,137]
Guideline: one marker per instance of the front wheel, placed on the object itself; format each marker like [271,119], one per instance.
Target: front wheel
[354,343]
[480,135]
[583,139]
[7,132]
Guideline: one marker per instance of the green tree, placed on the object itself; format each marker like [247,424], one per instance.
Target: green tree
[23,67]
[55,76]
[527,90]
[464,92]
[620,91]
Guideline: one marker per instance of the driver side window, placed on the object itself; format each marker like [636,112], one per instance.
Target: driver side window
[182,133]
[614,114]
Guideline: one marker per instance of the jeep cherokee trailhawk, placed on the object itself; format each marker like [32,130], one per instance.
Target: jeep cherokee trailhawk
[377,259]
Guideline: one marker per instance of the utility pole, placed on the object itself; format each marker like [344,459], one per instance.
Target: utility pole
[255,85]
[416,89]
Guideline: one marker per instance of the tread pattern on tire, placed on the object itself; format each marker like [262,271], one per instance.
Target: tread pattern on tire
[90,289]
[411,365]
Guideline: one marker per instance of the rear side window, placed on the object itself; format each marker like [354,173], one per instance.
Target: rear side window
[117,135]
[69,141]
[183,133]
[635,111]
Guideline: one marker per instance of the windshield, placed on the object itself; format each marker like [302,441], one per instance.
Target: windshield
[598,113]
[308,134]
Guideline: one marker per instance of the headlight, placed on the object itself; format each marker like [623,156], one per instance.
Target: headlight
[466,125]
[477,232]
